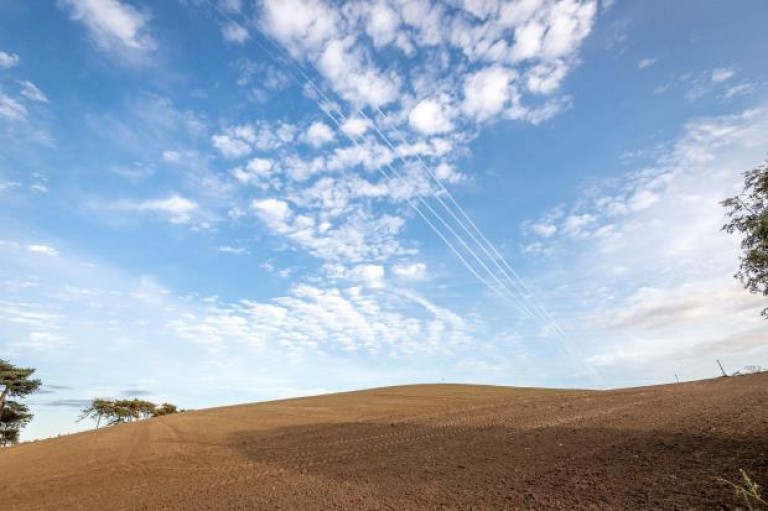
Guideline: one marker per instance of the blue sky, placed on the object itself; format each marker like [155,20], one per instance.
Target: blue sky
[212,202]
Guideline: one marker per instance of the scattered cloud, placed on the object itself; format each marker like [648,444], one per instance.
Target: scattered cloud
[487,92]
[254,171]
[312,319]
[534,42]
[176,208]
[42,249]
[171,156]
[241,140]
[741,89]
[722,74]
[8,60]
[355,126]
[413,271]
[78,404]
[12,109]
[675,303]
[135,393]
[430,117]
[228,249]
[646,62]
[234,33]
[30,91]
[318,134]
[116,27]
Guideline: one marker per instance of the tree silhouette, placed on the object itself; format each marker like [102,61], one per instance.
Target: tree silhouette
[748,215]
[13,417]
[124,410]
[15,382]
[165,409]
[97,410]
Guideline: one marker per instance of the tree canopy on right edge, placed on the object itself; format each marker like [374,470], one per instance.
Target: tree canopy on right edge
[748,215]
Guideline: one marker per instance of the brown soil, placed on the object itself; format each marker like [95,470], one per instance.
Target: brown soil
[416,447]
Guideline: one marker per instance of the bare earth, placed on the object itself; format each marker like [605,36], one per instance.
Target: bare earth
[416,447]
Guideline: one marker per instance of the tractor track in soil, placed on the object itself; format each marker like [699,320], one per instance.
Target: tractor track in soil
[416,447]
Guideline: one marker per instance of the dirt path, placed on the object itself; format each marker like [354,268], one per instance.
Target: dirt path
[416,447]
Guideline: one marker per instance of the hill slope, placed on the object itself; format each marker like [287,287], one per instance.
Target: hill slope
[411,447]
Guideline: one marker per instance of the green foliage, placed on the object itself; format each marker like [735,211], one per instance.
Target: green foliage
[13,417]
[749,492]
[165,409]
[15,382]
[748,215]
[124,410]
[98,409]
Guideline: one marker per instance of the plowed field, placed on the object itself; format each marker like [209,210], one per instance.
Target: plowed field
[416,447]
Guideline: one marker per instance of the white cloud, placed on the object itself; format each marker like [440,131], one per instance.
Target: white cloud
[241,139]
[569,23]
[115,26]
[741,89]
[178,209]
[228,249]
[319,134]
[528,40]
[430,117]
[255,170]
[722,74]
[230,146]
[8,60]
[273,211]
[355,126]
[298,22]
[12,109]
[447,173]
[537,40]
[413,271]
[383,23]
[30,91]
[649,259]
[234,33]
[545,230]
[646,62]
[171,156]
[360,236]
[546,78]
[42,341]
[487,92]
[370,275]
[42,249]
[354,80]
[329,319]
[315,30]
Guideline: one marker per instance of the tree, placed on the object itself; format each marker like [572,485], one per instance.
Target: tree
[98,409]
[15,381]
[124,410]
[14,416]
[165,409]
[748,215]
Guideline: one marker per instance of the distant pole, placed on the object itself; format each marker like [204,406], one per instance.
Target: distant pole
[721,368]
[676,378]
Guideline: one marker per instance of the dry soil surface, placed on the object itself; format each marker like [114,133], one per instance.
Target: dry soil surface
[416,447]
